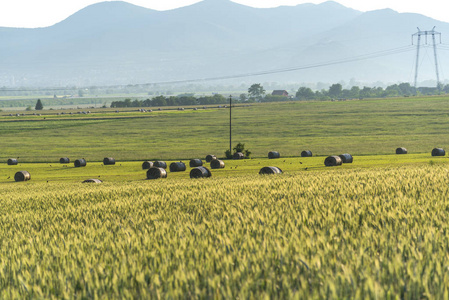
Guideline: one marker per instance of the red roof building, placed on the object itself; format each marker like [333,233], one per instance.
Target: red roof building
[280,93]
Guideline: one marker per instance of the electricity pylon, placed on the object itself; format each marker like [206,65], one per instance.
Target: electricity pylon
[426,33]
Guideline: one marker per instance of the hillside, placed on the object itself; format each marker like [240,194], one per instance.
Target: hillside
[120,43]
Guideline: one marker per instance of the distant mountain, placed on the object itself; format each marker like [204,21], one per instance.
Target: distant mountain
[120,43]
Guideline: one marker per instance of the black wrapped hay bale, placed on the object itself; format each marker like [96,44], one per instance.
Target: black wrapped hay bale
[200,172]
[238,155]
[346,158]
[108,161]
[217,164]
[332,161]
[156,173]
[177,167]
[160,164]
[22,176]
[401,150]
[92,180]
[195,163]
[12,162]
[64,160]
[146,165]
[80,163]
[273,154]
[210,158]
[438,152]
[270,171]
[306,153]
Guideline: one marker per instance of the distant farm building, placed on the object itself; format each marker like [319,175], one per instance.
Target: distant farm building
[280,93]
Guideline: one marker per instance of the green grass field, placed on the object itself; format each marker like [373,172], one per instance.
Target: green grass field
[364,127]
[376,228]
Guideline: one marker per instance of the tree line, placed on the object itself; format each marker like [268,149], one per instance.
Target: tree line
[172,101]
[256,93]
[336,91]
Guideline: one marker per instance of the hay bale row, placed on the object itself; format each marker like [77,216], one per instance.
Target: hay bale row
[195,163]
[270,171]
[217,164]
[306,153]
[22,176]
[157,164]
[210,158]
[160,164]
[238,155]
[438,152]
[200,172]
[64,160]
[178,167]
[156,173]
[92,180]
[346,158]
[108,161]
[80,163]
[12,162]
[146,165]
[274,154]
[401,150]
[332,161]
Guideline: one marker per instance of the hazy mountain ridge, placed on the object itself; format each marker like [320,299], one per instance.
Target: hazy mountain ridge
[120,43]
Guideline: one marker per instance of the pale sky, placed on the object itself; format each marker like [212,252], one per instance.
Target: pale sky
[42,13]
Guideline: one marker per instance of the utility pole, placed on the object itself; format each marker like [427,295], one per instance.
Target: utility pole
[230,124]
[426,33]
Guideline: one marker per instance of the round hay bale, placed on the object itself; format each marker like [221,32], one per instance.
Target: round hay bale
[195,163]
[22,176]
[200,172]
[238,155]
[64,160]
[438,152]
[12,162]
[401,150]
[346,158]
[210,158]
[108,161]
[92,180]
[270,171]
[80,163]
[332,161]
[178,167]
[156,173]
[160,164]
[217,164]
[306,153]
[273,154]
[146,165]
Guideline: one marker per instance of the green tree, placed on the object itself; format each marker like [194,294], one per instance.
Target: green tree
[335,90]
[305,93]
[365,92]
[406,89]
[240,147]
[355,92]
[39,105]
[256,91]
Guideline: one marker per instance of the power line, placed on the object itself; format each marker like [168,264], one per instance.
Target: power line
[372,55]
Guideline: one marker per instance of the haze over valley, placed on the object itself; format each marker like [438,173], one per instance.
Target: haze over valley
[117,43]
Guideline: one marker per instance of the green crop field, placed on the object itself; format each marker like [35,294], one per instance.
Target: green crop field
[376,228]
